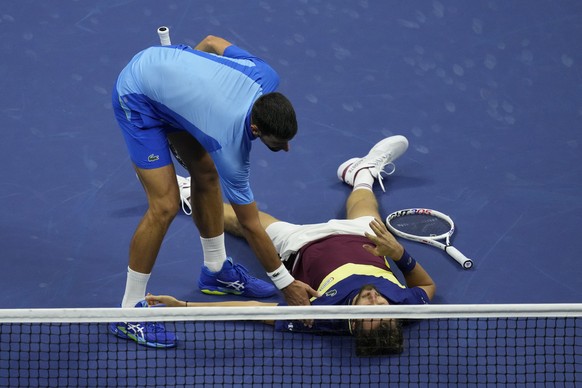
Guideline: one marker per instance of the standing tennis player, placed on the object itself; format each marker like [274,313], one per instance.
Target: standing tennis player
[207,104]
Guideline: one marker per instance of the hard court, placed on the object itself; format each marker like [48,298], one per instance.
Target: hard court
[489,94]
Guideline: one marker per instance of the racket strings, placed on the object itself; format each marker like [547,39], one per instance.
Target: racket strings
[421,225]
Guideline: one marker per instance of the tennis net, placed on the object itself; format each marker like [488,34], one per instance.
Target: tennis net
[537,344]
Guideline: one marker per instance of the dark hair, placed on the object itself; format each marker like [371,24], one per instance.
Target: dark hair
[383,340]
[274,115]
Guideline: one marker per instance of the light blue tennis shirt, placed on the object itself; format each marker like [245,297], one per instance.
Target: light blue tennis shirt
[208,95]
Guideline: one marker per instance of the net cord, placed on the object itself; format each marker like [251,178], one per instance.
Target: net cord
[261,313]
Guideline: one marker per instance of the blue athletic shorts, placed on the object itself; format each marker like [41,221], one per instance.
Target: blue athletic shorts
[146,138]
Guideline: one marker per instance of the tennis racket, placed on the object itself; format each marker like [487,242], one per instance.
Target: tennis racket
[428,227]
[164,34]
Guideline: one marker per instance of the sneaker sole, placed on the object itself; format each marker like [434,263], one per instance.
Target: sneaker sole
[219,291]
[224,291]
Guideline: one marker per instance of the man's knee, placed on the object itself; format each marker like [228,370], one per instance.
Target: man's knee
[166,208]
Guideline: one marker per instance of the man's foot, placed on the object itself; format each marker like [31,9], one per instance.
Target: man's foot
[234,279]
[152,334]
[382,154]
[184,185]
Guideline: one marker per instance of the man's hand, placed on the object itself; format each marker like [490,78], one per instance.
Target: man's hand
[170,301]
[299,293]
[213,44]
[385,243]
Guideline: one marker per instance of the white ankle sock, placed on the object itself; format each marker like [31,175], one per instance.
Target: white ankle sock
[135,287]
[363,180]
[214,252]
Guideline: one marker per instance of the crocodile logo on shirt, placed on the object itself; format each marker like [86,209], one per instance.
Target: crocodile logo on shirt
[153,158]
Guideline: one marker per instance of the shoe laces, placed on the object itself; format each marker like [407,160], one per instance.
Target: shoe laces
[154,327]
[243,272]
[186,206]
[380,164]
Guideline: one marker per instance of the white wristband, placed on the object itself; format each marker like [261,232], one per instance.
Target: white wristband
[281,277]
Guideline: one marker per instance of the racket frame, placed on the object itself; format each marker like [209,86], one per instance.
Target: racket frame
[464,261]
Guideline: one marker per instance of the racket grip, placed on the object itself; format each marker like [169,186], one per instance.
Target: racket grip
[465,262]
[164,34]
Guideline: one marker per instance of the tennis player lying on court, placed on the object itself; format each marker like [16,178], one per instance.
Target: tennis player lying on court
[345,260]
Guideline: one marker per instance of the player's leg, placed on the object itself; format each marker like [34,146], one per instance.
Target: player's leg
[163,204]
[205,194]
[205,197]
[362,203]
[219,274]
[232,226]
[161,190]
[148,149]
[361,174]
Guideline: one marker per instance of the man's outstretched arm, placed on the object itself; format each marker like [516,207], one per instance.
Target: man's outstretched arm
[170,301]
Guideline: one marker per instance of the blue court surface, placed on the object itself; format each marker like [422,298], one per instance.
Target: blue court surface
[489,94]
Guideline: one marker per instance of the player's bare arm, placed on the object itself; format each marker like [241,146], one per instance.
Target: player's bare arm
[418,277]
[170,301]
[213,44]
[259,241]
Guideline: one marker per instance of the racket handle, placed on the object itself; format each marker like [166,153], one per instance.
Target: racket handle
[465,262]
[164,34]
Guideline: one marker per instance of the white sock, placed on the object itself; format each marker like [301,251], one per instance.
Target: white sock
[363,180]
[214,252]
[135,288]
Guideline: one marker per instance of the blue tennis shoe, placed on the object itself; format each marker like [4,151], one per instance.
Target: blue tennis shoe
[234,279]
[152,334]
